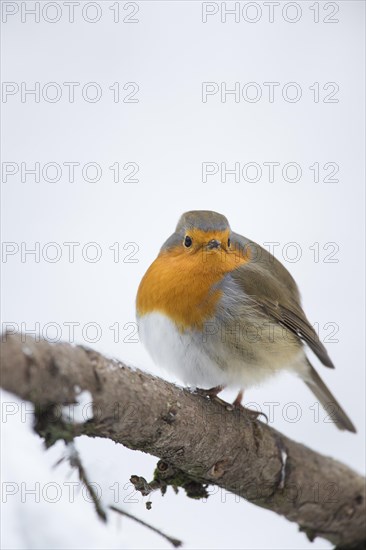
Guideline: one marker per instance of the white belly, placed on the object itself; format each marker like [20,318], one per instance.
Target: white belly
[179,353]
[202,362]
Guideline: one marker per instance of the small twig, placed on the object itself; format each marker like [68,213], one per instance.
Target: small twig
[75,462]
[175,542]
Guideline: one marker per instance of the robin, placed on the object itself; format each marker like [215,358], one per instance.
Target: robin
[220,311]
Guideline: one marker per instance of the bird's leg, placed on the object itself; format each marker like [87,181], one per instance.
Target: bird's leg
[237,404]
[239,399]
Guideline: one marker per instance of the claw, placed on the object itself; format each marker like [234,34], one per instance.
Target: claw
[254,414]
[212,392]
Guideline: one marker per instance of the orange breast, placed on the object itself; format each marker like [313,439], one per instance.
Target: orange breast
[182,286]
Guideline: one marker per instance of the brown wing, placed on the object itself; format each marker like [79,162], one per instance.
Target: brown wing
[297,322]
[275,292]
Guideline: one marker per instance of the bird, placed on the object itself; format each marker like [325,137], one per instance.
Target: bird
[219,311]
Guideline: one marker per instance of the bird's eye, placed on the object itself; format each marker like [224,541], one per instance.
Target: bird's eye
[228,242]
[187,241]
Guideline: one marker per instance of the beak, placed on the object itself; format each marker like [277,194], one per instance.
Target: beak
[213,244]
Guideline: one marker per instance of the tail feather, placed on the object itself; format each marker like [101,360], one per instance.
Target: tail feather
[327,399]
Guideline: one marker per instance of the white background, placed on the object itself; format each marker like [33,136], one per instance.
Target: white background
[169,133]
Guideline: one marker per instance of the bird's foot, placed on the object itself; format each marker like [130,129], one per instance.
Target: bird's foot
[253,414]
[212,393]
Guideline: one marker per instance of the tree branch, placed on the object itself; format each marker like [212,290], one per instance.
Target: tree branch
[193,435]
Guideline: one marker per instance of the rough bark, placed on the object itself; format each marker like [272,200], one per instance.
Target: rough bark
[200,437]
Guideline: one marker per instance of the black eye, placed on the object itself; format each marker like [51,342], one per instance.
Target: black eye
[229,242]
[187,241]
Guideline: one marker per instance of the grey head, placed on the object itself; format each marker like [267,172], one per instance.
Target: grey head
[205,220]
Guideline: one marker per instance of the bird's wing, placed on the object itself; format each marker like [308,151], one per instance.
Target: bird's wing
[296,322]
[273,290]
